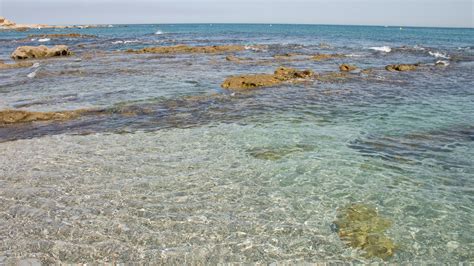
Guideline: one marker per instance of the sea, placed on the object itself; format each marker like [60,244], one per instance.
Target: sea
[191,173]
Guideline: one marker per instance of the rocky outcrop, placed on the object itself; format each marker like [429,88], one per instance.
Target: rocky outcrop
[35,52]
[20,116]
[402,67]
[281,75]
[286,73]
[65,35]
[347,68]
[6,24]
[185,49]
[322,57]
[15,65]
[10,25]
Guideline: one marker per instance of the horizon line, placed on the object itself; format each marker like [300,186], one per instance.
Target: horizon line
[269,23]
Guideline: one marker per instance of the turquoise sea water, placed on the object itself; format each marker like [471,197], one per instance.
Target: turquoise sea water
[204,175]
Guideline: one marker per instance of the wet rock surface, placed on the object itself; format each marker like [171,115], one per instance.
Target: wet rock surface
[281,75]
[15,65]
[20,116]
[323,57]
[42,51]
[402,67]
[347,67]
[360,226]
[185,49]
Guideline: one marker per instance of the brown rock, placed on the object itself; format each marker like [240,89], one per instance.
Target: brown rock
[347,68]
[282,74]
[20,116]
[185,49]
[322,57]
[30,52]
[6,23]
[246,82]
[15,65]
[285,73]
[402,67]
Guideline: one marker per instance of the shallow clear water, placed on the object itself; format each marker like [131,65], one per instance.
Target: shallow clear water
[182,179]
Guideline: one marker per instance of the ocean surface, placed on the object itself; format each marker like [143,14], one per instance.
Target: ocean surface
[199,174]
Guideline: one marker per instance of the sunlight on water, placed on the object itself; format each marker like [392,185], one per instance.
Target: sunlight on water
[170,168]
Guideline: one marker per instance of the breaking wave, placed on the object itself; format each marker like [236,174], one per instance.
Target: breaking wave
[385,49]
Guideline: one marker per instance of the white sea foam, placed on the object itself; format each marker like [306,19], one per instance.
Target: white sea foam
[438,55]
[385,49]
[253,48]
[32,74]
[354,55]
[418,48]
[159,32]
[35,65]
[44,40]
[125,42]
[442,63]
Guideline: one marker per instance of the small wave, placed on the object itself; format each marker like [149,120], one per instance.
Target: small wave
[159,32]
[418,48]
[385,49]
[438,55]
[35,65]
[354,55]
[442,63]
[125,42]
[32,74]
[254,48]
[44,40]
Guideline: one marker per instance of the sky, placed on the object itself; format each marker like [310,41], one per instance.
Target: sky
[431,13]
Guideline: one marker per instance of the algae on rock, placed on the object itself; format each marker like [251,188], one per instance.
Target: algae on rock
[360,226]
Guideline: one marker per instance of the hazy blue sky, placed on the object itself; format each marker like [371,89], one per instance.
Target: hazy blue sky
[447,13]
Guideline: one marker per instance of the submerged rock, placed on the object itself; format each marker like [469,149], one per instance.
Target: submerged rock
[20,116]
[15,65]
[333,76]
[30,52]
[282,74]
[347,68]
[232,58]
[185,49]
[402,67]
[322,57]
[360,226]
[64,35]
[274,154]
[285,56]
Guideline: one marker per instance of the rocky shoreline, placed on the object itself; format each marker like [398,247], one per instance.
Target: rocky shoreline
[6,24]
